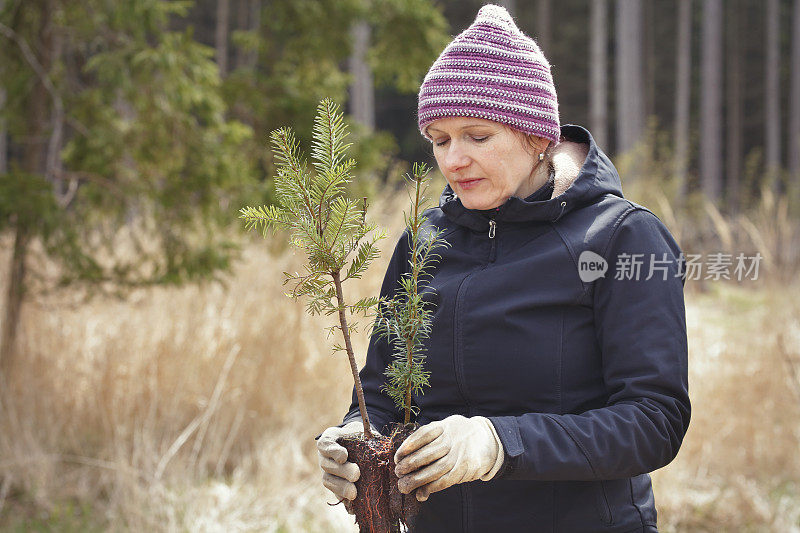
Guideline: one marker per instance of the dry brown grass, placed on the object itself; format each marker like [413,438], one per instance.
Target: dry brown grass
[739,466]
[195,409]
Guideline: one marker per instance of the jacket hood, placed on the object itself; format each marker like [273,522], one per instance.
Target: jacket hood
[575,186]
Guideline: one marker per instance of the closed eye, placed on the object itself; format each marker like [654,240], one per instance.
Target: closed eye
[477,139]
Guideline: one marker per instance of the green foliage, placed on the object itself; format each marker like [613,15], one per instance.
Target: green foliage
[405,318]
[28,198]
[302,47]
[408,36]
[147,148]
[330,227]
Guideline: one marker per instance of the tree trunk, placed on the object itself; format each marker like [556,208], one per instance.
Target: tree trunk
[242,22]
[544,35]
[772,124]
[794,98]
[53,164]
[3,135]
[3,128]
[249,18]
[734,109]
[33,162]
[683,97]
[14,298]
[598,89]
[221,40]
[649,73]
[362,92]
[710,101]
[630,89]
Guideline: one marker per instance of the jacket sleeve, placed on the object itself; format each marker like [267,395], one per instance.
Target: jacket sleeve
[640,327]
[380,407]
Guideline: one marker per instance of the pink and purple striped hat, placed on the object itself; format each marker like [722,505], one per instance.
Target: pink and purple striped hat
[492,71]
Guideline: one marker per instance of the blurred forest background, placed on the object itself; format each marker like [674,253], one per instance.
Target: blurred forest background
[153,377]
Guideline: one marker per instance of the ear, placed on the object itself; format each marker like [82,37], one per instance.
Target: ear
[540,144]
[533,144]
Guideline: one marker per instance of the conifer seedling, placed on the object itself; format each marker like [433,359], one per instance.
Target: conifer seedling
[332,230]
[321,220]
[405,319]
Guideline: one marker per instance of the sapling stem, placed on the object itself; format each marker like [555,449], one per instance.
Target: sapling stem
[410,339]
[362,406]
[405,320]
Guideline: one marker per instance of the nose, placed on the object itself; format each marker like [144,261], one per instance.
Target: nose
[455,157]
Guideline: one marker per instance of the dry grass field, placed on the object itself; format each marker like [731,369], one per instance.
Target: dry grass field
[194,409]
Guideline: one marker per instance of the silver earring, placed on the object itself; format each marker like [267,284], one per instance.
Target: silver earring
[541,156]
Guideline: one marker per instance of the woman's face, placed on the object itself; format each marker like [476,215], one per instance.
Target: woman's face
[484,161]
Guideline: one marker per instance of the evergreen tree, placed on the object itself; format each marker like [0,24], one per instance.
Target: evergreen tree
[116,128]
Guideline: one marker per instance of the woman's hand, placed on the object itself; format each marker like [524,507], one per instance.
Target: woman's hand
[339,475]
[443,453]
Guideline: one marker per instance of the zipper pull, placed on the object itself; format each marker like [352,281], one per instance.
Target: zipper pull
[492,228]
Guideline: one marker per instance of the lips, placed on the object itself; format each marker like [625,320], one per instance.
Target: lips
[469,184]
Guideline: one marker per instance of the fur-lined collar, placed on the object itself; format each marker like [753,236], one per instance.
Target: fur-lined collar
[568,158]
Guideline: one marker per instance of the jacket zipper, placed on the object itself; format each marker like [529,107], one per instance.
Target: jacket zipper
[457,363]
[492,241]
[466,501]
[466,494]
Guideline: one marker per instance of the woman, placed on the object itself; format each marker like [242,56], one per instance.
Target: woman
[558,353]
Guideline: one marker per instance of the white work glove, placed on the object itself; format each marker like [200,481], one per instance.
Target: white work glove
[339,475]
[450,451]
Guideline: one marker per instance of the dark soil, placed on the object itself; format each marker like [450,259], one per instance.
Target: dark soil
[380,507]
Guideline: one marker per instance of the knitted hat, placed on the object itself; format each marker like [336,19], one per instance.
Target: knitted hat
[492,71]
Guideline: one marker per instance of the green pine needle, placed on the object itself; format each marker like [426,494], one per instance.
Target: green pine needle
[312,207]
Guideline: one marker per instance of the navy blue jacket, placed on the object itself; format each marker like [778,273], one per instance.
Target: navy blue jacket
[584,379]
